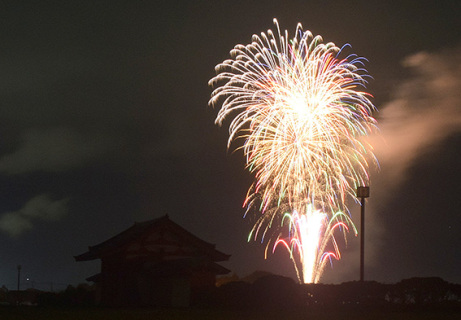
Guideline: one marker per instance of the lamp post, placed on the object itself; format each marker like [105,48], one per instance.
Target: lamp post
[362,193]
[19,276]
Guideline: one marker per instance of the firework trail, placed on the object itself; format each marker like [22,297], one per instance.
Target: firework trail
[310,233]
[298,108]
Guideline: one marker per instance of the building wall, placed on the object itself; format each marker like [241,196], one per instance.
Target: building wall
[123,284]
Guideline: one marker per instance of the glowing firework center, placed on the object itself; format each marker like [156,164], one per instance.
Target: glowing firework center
[302,118]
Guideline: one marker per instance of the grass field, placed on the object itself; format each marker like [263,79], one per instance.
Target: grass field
[93,313]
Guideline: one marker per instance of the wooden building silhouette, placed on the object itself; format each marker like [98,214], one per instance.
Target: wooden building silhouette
[155,262]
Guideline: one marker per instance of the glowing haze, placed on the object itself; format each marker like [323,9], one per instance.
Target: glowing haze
[298,107]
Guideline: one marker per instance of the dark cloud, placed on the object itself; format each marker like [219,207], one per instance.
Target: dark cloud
[39,208]
[54,149]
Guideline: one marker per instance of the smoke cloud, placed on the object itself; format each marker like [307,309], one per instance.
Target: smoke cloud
[425,110]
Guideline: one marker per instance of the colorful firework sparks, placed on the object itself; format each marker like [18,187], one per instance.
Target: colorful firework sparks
[309,235]
[299,108]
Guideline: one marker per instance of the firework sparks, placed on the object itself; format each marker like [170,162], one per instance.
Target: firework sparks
[309,235]
[299,108]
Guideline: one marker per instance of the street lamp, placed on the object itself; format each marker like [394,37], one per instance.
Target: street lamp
[19,275]
[362,193]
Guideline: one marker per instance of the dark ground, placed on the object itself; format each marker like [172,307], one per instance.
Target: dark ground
[90,313]
[269,297]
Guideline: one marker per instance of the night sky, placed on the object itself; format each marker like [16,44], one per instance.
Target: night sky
[104,121]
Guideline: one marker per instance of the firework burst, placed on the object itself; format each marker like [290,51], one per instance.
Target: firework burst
[300,111]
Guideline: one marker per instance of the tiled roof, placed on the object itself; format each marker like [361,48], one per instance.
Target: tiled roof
[140,229]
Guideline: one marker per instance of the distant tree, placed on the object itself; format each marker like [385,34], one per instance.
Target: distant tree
[256,275]
[421,291]
[276,292]
[81,295]
[226,279]
[233,294]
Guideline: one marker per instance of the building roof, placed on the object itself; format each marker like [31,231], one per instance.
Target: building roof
[142,229]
